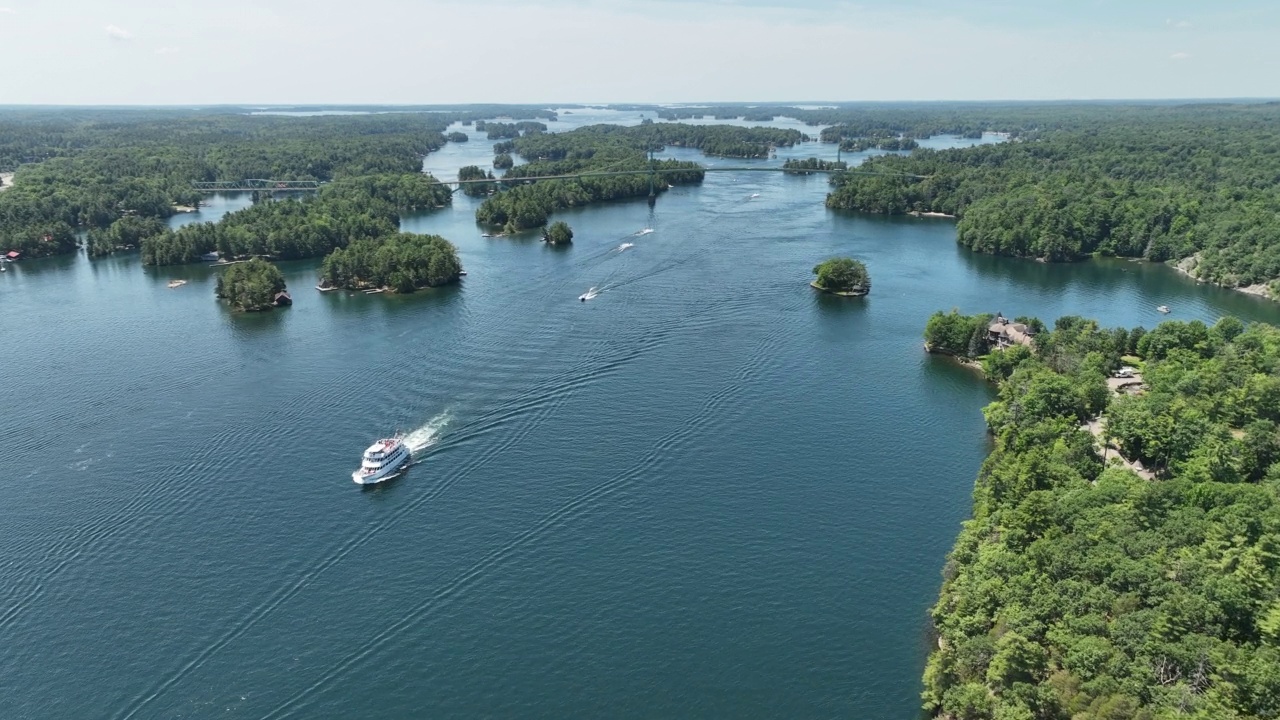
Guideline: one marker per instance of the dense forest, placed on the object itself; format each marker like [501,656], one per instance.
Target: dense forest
[344,211]
[250,286]
[1082,590]
[402,262]
[470,173]
[1195,184]
[594,152]
[722,140]
[808,166]
[85,169]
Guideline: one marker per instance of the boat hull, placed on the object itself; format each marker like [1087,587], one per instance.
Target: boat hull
[381,475]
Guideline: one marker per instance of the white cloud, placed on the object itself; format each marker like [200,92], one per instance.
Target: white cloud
[116,32]
[1179,56]
[1184,23]
[167,50]
[8,11]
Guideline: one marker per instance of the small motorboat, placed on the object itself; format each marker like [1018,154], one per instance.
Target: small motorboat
[1163,309]
[588,295]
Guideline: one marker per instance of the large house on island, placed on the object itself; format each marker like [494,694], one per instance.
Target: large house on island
[1002,333]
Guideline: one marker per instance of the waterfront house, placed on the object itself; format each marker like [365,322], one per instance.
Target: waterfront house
[210,256]
[1002,333]
[283,298]
[12,255]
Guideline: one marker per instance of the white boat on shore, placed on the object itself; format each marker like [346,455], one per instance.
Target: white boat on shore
[382,460]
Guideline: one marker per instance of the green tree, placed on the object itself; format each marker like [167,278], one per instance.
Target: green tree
[251,285]
[843,274]
[558,233]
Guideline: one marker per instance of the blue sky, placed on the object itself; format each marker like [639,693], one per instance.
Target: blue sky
[446,51]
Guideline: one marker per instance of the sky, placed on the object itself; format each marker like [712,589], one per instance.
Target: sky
[182,52]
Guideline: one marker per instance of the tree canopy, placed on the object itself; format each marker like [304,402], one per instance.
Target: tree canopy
[402,262]
[346,210]
[86,168]
[842,275]
[251,285]
[1194,183]
[558,233]
[1081,591]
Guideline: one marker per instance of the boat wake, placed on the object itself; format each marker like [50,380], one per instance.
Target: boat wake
[645,231]
[624,246]
[589,295]
[429,434]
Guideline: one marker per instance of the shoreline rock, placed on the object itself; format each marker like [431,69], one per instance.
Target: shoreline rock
[1187,266]
[841,293]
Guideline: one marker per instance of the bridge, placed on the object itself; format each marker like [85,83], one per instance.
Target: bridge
[257,185]
[669,171]
[265,185]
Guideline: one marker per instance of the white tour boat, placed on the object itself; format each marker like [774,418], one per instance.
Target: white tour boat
[384,459]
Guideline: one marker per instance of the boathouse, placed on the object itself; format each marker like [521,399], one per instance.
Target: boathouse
[282,299]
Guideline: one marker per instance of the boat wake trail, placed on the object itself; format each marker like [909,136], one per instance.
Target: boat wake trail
[429,434]
[646,467]
[624,246]
[645,231]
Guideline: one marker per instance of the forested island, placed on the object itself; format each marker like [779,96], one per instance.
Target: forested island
[342,212]
[399,262]
[808,166]
[1084,590]
[84,169]
[251,286]
[1192,184]
[469,174]
[842,276]
[597,149]
[558,233]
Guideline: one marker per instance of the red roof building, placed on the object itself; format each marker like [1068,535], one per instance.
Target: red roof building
[13,255]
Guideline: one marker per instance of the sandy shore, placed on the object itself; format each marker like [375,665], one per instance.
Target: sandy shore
[185,209]
[6,181]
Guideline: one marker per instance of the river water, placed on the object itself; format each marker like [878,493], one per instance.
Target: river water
[708,491]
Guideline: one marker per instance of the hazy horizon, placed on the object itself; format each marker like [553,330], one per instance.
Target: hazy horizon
[387,52]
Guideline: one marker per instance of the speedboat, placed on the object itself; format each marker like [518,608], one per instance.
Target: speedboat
[588,295]
[384,459]
[1163,309]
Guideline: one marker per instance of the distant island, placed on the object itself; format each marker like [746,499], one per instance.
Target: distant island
[842,276]
[808,166]
[400,263]
[252,286]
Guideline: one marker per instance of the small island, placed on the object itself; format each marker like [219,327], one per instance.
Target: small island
[476,189]
[842,276]
[503,161]
[252,285]
[558,233]
[399,263]
[457,137]
[808,166]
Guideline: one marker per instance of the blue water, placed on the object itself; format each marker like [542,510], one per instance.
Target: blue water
[709,491]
